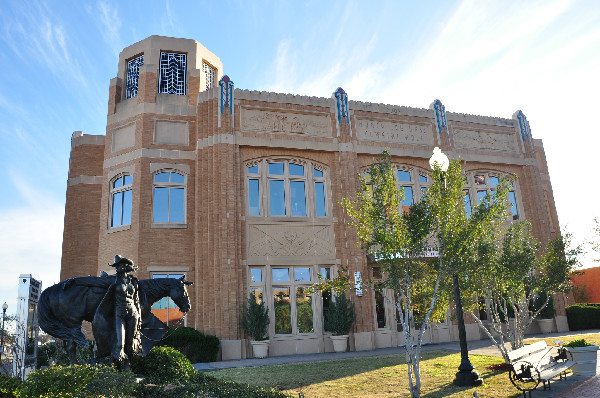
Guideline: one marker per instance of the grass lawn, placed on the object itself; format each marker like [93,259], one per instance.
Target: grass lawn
[592,338]
[383,376]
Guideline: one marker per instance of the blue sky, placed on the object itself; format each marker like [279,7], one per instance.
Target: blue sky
[480,57]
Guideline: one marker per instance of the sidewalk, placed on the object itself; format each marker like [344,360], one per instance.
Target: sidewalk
[566,388]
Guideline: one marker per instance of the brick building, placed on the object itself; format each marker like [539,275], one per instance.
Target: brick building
[239,191]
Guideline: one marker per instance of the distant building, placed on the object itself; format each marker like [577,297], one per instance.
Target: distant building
[587,286]
[239,191]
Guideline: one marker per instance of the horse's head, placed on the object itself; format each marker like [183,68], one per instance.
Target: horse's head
[178,294]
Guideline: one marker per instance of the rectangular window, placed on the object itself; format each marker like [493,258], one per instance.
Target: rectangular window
[481,197]
[408,198]
[256,275]
[380,308]
[325,274]
[513,205]
[117,209]
[298,198]
[281,274]
[253,197]
[283,310]
[133,73]
[161,204]
[176,205]
[165,309]
[467,200]
[277,197]
[404,176]
[320,199]
[172,73]
[304,314]
[209,75]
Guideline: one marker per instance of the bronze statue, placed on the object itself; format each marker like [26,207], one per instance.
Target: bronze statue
[62,308]
[120,311]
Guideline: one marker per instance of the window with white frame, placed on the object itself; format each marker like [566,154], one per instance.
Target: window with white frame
[171,79]
[209,74]
[169,197]
[165,309]
[133,73]
[283,187]
[479,184]
[120,198]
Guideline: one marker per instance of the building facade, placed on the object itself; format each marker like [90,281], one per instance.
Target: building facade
[239,191]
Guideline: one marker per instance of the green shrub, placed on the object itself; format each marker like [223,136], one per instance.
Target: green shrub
[79,382]
[583,316]
[165,365]
[196,346]
[340,315]
[255,319]
[548,311]
[54,354]
[9,386]
[577,343]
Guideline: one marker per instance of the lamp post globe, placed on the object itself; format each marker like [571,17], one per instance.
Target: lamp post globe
[440,159]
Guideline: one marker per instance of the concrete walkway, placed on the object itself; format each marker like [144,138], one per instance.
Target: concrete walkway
[570,387]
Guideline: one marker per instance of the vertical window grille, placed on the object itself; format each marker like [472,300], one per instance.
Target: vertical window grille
[209,73]
[172,73]
[133,73]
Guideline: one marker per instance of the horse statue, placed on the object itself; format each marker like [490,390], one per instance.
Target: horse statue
[64,306]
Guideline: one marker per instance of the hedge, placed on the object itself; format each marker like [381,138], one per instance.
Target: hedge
[196,346]
[583,316]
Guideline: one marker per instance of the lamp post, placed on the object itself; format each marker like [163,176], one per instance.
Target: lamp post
[466,375]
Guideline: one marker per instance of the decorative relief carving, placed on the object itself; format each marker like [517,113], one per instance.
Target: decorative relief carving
[387,131]
[489,141]
[285,122]
[286,240]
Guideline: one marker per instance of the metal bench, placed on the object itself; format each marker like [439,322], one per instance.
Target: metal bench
[537,363]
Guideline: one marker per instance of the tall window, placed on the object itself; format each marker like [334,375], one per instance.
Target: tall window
[412,180]
[172,73]
[209,74]
[293,188]
[133,73]
[291,301]
[120,195]
[169,197]
[165,309]
[480,184]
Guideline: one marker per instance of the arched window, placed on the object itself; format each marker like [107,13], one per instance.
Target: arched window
[120,198]
[479,184]
[169,197]
[286,188]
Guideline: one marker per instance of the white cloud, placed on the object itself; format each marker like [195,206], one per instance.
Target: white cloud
[110,25]
[31,239]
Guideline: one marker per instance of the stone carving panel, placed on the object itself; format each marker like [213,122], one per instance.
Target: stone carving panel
[484,140]
[285,122]
[388,131]
[286,240]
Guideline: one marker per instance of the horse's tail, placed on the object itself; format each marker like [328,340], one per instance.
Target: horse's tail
[51,324]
